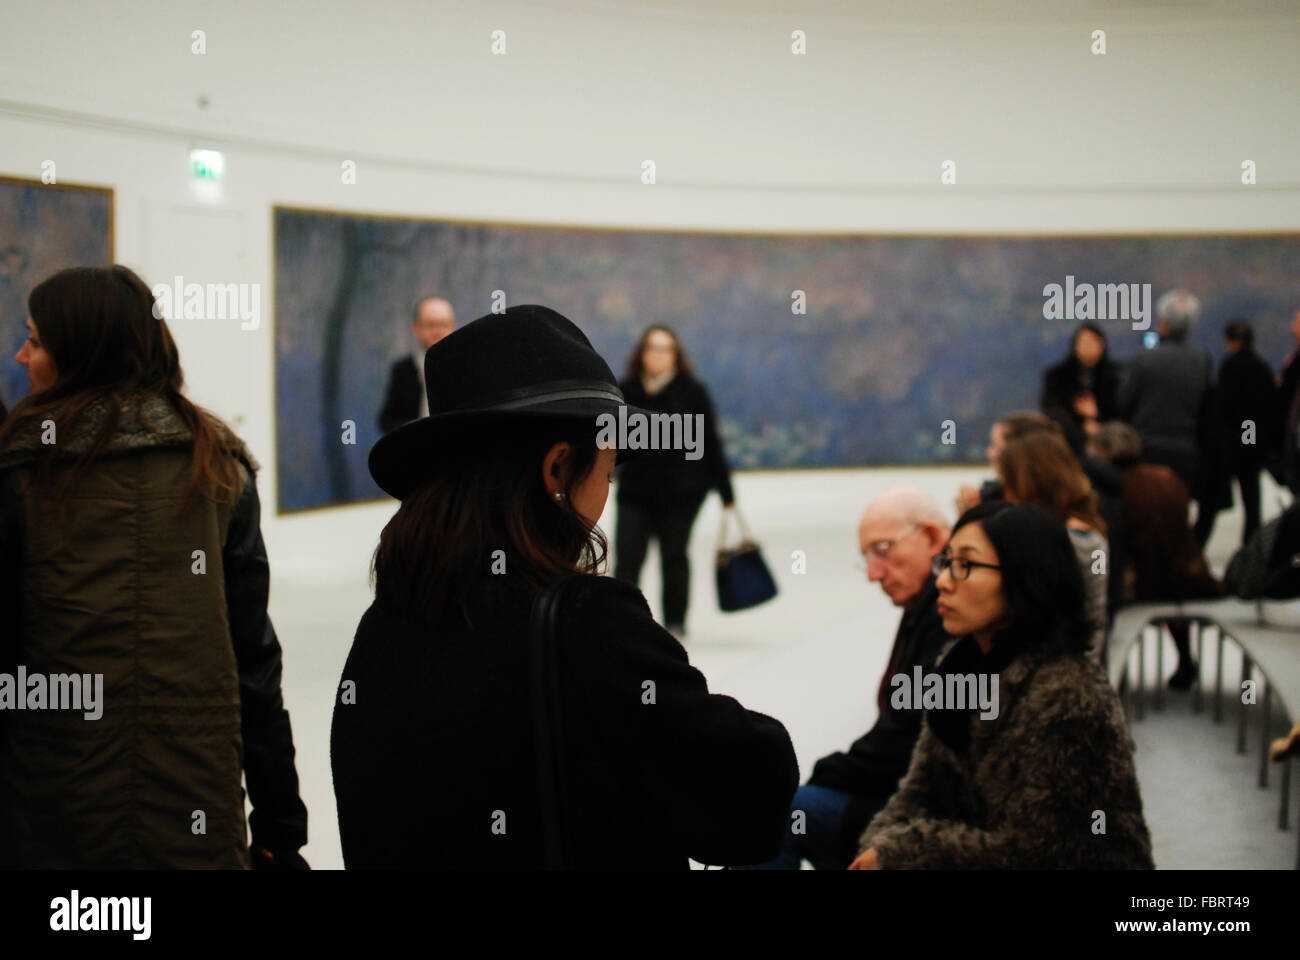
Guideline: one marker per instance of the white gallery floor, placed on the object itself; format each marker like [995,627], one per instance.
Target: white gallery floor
[811,658]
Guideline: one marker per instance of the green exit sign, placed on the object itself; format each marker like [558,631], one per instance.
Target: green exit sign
[207,164]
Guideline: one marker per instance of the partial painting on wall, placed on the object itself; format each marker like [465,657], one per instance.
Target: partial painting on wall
[43,229]
[819,350]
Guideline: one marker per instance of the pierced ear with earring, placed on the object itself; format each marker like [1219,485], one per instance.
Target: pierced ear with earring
[559,496]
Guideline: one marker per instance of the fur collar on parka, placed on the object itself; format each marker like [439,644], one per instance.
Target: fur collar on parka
[1048,784]
[144,423]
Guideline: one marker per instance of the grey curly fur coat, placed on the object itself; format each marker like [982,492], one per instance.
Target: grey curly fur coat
[1025,792]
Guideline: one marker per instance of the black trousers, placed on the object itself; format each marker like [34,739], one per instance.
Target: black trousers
[670,523]
[1247,475]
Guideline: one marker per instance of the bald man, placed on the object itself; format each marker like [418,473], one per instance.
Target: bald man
[901,530]
[406,399]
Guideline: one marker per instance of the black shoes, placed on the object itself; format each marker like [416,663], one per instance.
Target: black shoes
[1184,676]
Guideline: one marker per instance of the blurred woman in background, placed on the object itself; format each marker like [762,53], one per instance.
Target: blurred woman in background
[660,492]
[1165,561]
[1038,468]
[1007,427]
[1020,789]
[1081,390]
[132,552]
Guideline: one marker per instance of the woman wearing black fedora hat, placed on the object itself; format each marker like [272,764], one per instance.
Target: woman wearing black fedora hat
[446,747]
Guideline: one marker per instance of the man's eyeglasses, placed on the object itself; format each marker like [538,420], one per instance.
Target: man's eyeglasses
[879,549]
[960,566]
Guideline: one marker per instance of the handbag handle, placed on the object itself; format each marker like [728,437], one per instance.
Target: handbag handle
[544,684]
[745,535]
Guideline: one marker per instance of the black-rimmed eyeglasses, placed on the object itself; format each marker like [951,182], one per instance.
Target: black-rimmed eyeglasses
[960,566]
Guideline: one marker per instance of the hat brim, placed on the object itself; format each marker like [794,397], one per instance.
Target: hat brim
[400,460]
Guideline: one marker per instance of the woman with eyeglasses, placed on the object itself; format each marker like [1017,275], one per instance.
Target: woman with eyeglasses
[1045,779]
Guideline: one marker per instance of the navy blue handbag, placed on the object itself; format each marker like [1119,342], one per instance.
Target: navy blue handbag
[742,575]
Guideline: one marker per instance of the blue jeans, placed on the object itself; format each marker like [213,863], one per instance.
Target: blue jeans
[821,843]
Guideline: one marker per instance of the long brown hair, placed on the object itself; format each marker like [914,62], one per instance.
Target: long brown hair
[108,343]
[441,545]
[1038,467]
[635,365]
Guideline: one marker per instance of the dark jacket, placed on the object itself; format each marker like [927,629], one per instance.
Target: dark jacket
[1287,419]
[190,661]
[1023,789]
[1067,381]
[402,399]
[1268,564]
[1247,392]
[659,475]
[1163,395]
[658,769]
[877,760]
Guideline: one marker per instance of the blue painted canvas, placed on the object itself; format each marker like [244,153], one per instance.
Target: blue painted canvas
[900,333]
[43,229]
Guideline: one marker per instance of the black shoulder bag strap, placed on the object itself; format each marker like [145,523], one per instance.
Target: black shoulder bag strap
[544,682]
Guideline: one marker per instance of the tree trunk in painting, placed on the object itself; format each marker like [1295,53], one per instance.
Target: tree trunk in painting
[336,464]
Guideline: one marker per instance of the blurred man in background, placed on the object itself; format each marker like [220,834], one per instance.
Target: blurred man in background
[1248,410]
[1289,411]
[1165,392]
[405,399]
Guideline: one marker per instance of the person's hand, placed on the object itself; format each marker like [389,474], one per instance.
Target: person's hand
[264,859]
[967,498]
[1085,405]
[866,860]
[1090,427]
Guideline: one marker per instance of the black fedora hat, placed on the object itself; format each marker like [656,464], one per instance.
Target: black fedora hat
[526,364]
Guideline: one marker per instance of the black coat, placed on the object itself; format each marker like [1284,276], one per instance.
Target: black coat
[659,475]
[402,399]
[437,749]
[1268,564]
[1063,384]
[877,760]
[1247,392]
[1164,395]
[1286,442]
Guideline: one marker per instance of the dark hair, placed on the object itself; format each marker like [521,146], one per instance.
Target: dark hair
[1239,330]
[438,550]
[635,367]
[1089,327]
[108,342]
[1041,580]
